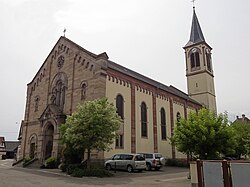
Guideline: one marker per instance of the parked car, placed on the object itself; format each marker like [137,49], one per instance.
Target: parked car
[153,160]
[129,162]
[229,158]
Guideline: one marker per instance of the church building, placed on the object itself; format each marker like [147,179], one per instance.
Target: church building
[71,74]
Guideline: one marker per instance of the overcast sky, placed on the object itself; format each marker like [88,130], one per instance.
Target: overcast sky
[146,36]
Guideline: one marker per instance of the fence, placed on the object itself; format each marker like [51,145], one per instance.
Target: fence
[220,173]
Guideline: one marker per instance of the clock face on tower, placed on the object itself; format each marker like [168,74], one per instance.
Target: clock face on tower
[194,50]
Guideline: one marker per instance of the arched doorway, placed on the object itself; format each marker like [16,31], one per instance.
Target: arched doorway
[49,136]
[32,147]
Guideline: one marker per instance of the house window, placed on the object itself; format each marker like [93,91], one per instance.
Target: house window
[119,141]
[178,116]
[163,124]
[120,106]
[144,131]
[195,60]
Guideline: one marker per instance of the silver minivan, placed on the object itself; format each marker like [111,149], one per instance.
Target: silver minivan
[129,162]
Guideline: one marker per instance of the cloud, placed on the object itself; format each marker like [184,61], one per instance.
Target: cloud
[15,2]
[96,15]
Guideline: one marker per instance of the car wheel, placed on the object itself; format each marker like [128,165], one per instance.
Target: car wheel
[108,167]
[148,167]
[130,168]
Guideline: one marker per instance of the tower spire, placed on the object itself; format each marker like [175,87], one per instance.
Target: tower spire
[196,35]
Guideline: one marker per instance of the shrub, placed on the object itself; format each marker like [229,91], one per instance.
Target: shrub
[26,160]
[78,172]
[177,162]
[42,166]
[63,167]
[71,167]
[51,163]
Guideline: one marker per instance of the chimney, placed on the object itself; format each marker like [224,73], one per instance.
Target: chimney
[243,117]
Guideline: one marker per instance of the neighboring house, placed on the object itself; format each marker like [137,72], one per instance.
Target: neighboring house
[242,119]
[70,75]
[2,148]
[11,148]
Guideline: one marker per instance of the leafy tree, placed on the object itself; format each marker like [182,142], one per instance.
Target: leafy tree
[204,135]
[91,127]
[242,133]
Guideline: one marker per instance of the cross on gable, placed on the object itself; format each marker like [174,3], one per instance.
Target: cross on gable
[193,2]
[64,31]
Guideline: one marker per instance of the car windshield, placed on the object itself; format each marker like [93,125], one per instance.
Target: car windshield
[158,156]
[149,156]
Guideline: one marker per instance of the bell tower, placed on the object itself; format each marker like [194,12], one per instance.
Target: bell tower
[199,69]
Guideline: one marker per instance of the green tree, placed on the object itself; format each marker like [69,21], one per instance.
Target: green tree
[204,135]
[242,134]
[71,154]
[91,127]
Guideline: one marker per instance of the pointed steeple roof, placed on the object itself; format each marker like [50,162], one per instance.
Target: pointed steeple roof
[196,35]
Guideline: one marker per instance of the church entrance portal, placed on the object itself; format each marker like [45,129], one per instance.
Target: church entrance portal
[49,136]
[32,150]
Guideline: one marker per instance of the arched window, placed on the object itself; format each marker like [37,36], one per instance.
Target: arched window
[83,91]
[163,124]
[120,106]
[60,94]
[195,59]
[144,130]
[58,89]
[178,116]
[37,99]
[208,56]
[120,111]
[119,141]
[192,61]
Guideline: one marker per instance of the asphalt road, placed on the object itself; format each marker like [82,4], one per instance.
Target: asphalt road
[24,177]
